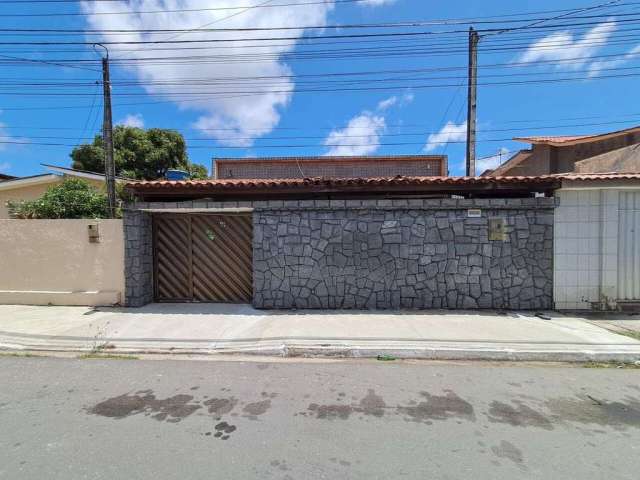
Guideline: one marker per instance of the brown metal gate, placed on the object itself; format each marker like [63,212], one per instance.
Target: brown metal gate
[203,258]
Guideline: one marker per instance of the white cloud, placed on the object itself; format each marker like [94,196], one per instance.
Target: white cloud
[407,98]
[132,120]
[562,47]
[234,115]
[5,137]
[377,3]
[449,133]
[596,67]
[361,136]
[401,101]
[387,103]
[492,161]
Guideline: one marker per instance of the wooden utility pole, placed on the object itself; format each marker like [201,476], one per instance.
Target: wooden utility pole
[107,136]
[471,102]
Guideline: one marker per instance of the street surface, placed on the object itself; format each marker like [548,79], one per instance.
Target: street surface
[166,419]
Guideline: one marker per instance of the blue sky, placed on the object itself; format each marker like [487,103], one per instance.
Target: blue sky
[401,95]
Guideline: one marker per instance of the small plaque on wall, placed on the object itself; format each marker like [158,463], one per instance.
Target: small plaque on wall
[496,229]
[474,213]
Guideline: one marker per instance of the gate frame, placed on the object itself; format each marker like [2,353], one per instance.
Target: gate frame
[173,214]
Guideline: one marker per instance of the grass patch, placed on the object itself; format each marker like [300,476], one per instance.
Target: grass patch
[94,355]
[629,333]
[629,366]
[17,354]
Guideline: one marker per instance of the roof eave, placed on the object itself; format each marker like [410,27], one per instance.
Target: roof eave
[307,189]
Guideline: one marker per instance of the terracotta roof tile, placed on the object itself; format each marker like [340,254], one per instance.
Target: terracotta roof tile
[230,184]
[598,176]
[223,184]
[559,140]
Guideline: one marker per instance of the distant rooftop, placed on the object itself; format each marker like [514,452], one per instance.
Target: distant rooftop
[562,140]
[365,166]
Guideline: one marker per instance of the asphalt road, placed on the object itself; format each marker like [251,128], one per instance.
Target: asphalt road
[163,419]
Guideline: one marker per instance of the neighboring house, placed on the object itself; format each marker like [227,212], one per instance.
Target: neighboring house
[596,242]
[360,233]
[601,153]
[385,242]
[331,167]
[33,187]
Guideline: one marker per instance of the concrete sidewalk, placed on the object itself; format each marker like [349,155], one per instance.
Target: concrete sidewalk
[215,328]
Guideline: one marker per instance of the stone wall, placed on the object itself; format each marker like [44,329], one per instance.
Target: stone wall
[381,254]
[138,258]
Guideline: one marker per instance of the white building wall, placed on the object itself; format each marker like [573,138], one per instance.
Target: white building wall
[577,245]
[586,239]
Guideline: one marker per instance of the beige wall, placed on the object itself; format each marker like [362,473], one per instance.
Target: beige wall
[32,192]
[567,156]
[52,261]
[626,159]
[545,159]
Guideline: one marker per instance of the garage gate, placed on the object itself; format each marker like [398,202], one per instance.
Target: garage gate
[203,258]
[629,247]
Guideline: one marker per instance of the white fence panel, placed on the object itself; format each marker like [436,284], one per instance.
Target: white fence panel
[629,246]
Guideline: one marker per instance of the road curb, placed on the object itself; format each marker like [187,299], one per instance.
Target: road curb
[431,351]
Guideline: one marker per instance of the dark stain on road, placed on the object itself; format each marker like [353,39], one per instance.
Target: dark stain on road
[255,409]
[220,406]
[519,415]
[439,407]
[172,409]
[223,430]
[372,404]
[434,407]
[509,451]
[589,410]
[330,412]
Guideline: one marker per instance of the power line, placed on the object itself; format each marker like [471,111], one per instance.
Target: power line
[533,121]
[204,28]
[185,80]
[410,134]
[46,62]
[317,83]
[538,21]
[467,20]
[229,93]
[362,54]
[299,38]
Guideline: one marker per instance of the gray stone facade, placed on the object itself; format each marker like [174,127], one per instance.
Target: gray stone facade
[420,254]
[138,258]
[377,254]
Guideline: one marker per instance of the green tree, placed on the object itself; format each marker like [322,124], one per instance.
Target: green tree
[73,198]
[140,154]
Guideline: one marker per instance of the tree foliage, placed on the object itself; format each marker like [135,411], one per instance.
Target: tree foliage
[73,198]
[140,154]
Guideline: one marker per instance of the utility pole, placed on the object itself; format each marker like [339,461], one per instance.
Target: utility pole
[107,136]
[471,102]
